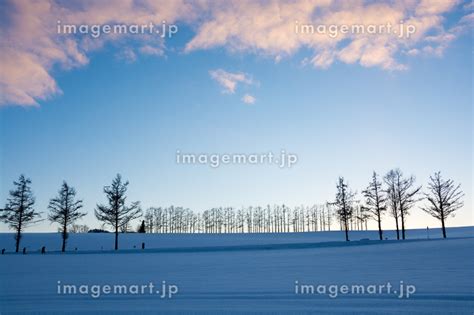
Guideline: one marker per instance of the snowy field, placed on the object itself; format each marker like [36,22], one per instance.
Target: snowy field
[241,273]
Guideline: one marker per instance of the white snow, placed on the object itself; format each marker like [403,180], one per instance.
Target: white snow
[242,273]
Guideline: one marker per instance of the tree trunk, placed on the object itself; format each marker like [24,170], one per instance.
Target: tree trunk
[116,227]
[398,230]
[443,226]
[116,238]
[17,238]
[380,226]
[18,232]
[403,223]
[63,249]
[346,230]
[442,221]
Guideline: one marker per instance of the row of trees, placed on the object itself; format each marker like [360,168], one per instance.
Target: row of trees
[64,209]
[269,219]
[397,195]
[394,193]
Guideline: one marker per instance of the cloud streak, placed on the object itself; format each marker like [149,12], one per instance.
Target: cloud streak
[228,80]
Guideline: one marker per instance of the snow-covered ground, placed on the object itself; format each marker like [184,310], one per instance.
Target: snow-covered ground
[242,273]
[105,241]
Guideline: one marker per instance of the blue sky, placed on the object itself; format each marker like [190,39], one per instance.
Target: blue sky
[114,115]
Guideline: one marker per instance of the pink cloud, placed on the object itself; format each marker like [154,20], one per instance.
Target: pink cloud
[228,80]
[30,46]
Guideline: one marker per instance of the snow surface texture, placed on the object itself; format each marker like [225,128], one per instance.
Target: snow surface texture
[241,273]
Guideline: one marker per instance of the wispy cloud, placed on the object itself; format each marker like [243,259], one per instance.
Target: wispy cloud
[127,54]
[228,80]
[248,99]
[30,46]
[151,50]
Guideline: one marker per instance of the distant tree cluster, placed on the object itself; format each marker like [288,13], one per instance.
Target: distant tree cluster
[394,193]
[269,219]
[79,228]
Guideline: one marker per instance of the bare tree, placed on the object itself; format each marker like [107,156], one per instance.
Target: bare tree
[64,209]
[343,204]
[444,198]
[241,220]
[406,195]
[79,228]
[375,201]
[363,216]
[149,222]
[19,212]
[116,213]
[392,199]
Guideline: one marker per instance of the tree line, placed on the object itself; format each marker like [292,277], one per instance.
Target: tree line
[269,219]
[394,193]
[397,194]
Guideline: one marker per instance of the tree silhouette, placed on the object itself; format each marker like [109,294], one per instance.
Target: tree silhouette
[375,201]
[406,195]
[64,209]
[19,212]
[444,198]
[343,204]
[116,213]
[142,228]
[392,198]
